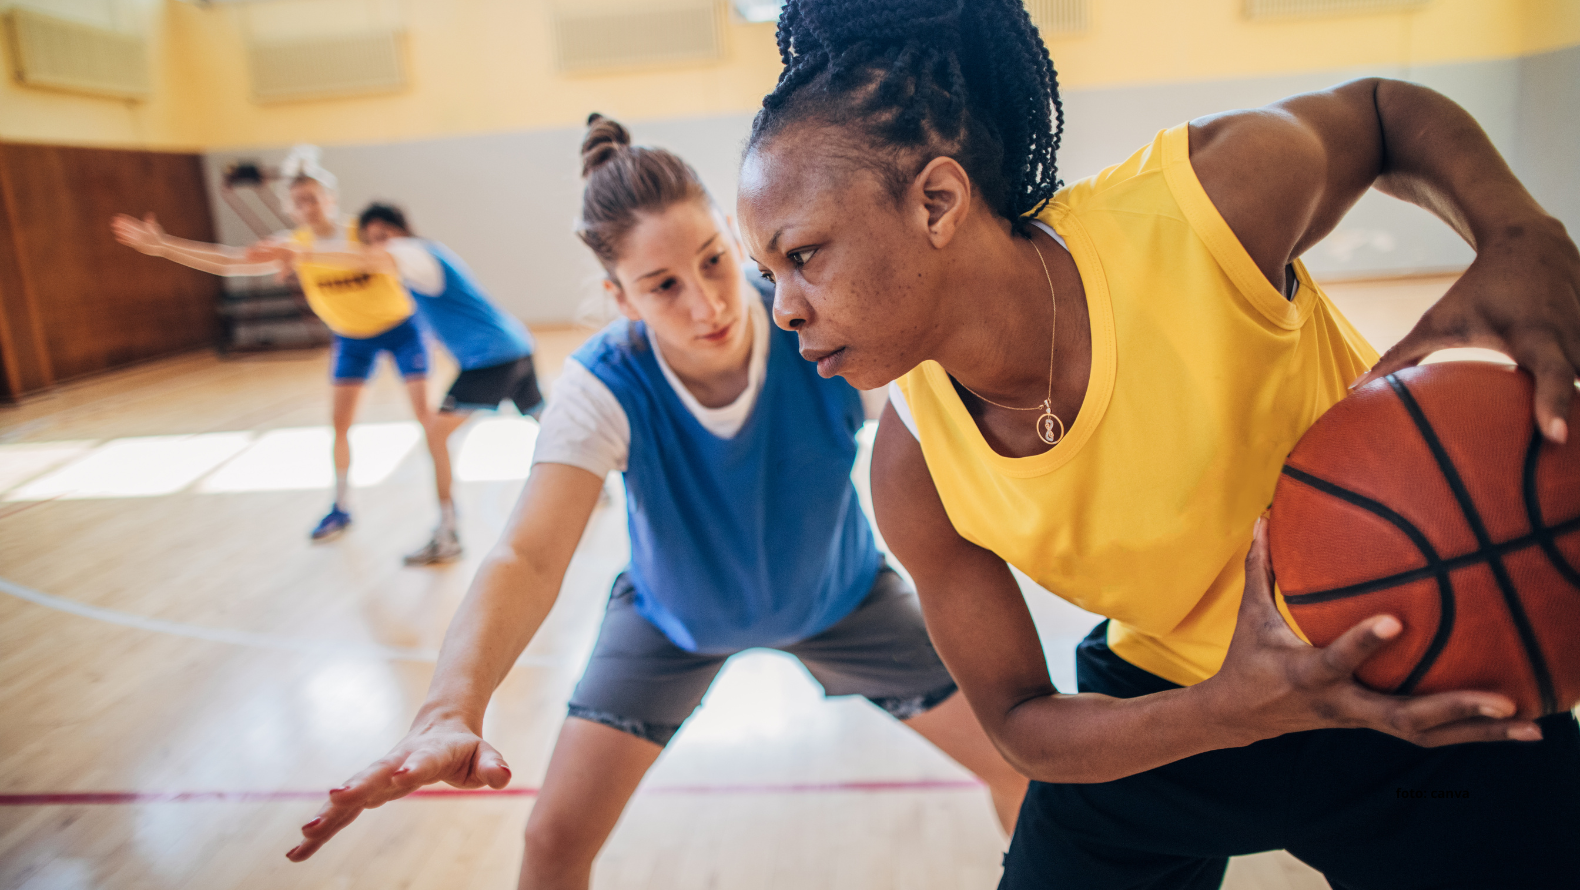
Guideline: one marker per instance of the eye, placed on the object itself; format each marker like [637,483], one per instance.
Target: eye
[713,261]
[667,284]
[802,255]
[767,275]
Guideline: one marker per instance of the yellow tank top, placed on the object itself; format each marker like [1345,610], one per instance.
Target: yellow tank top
[351,303]
[1203,377]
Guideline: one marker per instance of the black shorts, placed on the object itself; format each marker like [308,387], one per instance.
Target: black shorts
[482,389]
[1366,809]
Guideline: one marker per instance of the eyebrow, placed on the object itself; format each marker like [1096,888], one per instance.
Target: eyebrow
[704,247]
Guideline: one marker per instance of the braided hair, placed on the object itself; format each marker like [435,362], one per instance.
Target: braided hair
[967,79]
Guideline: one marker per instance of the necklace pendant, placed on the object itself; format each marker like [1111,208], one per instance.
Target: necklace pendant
[1050,428]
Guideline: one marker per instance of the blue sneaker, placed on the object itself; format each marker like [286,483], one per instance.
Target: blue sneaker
[333,525]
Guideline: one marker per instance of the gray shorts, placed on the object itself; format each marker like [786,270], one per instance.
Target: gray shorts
[641,683]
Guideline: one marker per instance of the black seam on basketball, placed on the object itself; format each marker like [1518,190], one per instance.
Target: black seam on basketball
[1533,512]
[1511,599]
[1434,568]
[1452,564]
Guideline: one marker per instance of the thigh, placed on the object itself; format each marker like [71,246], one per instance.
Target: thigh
[637,680]
[405,346]
[880,651]
[479,389]
[1174,826]
[524,392]
[1382,813]
[351,361]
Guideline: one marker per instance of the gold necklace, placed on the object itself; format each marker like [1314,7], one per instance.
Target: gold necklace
[1047,420]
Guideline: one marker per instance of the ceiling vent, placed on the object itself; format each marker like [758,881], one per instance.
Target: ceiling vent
[592,38]
[1262,10]
[65,55]
[1060,17]
[355,64]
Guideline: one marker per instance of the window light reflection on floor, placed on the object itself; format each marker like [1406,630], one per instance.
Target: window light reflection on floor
[299,458]
[22,461]
[142,466]
[496,448]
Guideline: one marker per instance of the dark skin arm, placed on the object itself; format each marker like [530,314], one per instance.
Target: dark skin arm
[1284,175]
[1271,682]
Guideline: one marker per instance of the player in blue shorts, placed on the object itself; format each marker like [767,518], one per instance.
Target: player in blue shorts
[745,531]
[365,307]
[491,346]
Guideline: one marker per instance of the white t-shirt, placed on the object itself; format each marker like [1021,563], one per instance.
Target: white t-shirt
[418,268]
[584,425]
[897,398]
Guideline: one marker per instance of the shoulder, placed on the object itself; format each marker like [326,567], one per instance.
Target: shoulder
[618,346]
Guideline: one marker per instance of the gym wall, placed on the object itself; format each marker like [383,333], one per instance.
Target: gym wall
[72,301]
[481,147]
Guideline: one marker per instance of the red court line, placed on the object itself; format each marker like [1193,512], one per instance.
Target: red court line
[141,797]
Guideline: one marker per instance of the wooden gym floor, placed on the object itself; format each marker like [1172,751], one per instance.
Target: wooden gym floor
[182,673]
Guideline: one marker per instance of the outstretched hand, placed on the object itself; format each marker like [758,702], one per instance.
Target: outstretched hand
[441,752]
[1520,297]
[142,235]
[1272,682]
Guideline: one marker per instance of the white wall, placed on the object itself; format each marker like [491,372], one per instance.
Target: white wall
[507,202]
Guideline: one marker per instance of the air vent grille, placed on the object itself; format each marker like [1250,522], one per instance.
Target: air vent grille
[1055,17]
[634,34]
[1284,9]
[327,67]
[65,55]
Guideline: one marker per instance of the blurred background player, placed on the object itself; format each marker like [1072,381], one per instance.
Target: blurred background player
[697,399]
[491,346]
[366,309]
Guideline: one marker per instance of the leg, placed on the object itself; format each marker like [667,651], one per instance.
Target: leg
[592,774]
[417,392]
[955,731]
[347,393]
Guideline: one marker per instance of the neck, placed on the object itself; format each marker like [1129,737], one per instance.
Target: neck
[718,379]
[325,229]
[999,341]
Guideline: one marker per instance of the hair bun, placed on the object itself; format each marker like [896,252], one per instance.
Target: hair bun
[604,140]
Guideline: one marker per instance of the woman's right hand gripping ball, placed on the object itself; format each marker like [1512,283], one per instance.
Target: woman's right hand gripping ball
[1272,682]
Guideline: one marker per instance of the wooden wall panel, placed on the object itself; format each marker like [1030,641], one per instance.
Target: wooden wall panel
[100,305]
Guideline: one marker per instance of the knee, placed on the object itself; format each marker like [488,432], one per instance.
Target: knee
[557,846]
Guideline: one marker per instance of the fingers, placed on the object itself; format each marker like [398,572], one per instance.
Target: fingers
[1447,718]
[1341,658]
[1407,353]
[491,769]
[329,821]
[1258,611]
[1555,383]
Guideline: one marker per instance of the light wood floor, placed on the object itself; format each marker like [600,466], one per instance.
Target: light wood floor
[169,629]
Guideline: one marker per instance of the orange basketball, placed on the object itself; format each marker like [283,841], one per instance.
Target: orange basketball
[1430,496]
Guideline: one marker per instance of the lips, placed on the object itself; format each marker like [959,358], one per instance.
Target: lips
[828,360]
[718,336]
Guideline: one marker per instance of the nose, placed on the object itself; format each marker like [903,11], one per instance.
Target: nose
[791,310]
[713,302]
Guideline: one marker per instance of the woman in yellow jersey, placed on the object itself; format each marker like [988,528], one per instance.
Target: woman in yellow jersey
[364,304]
[1098,386]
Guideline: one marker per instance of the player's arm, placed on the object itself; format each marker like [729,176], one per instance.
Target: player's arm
[147,237]
[1272,682]
[514,590]
[1284,175]
[284,254]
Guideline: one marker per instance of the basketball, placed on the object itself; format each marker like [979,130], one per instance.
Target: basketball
[1429,495]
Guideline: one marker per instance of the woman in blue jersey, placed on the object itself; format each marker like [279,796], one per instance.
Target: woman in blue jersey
[491,346]
[745,532]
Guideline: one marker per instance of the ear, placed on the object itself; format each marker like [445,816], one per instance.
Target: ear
[943,191]
[616,293]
